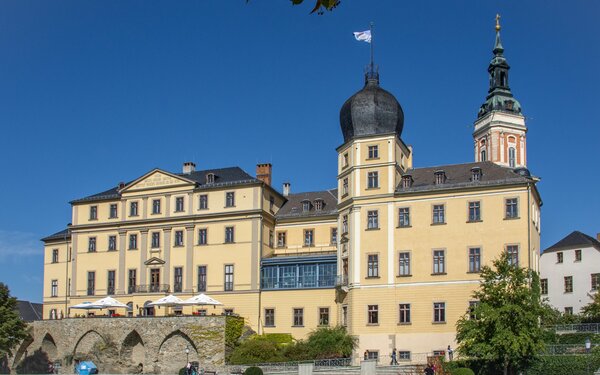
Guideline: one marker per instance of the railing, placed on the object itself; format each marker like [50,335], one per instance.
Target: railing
[150,288]
[580,327]
[566,349]
[278,367]
[341,280]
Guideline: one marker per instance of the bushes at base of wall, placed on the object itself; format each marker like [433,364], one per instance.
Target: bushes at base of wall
[462,371]
[581,364]
[253,371]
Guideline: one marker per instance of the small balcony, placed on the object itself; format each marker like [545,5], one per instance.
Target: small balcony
[341,280]
[150,288]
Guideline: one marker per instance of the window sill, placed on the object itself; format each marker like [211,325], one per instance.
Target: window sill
[281,247]
[377,158]
[132,249]
[372,229]
[134,215]
[202,208]
[178,211]
[372,324]
[230,242]
[438,322]
[270,326]
[111,251]
[512,218]
[298,326]
[344,195]
[439,274]
[409,275]
[229,206]
[405,324]
[373,188]
[372,277]
[444,223]
[404,226]
[202,244]
[312,245]
[90,219]
[474,272]
[113,217]
[178,246]
[474,221]
[155,213]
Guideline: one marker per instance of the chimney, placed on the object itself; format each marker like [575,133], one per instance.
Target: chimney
[189,167]
[263,172]
[286,189]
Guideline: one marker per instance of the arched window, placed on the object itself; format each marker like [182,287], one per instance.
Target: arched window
[483,155]
[511,157]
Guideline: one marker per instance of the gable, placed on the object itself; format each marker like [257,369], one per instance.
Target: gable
[157,179]
[154,261]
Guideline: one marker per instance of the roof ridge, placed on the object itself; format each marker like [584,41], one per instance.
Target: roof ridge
[462,164]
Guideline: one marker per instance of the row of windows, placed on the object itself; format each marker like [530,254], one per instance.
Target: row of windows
[155,281]
[157,209]
[560,256]
[568,283]
[298,276]
[439,261]
[405,313]
[178,240]
[297,317]
[373,153]
[308,237]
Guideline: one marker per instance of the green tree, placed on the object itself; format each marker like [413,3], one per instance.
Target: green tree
[505,332]
[591,311]
[332,342]
[320,5]
[12,328]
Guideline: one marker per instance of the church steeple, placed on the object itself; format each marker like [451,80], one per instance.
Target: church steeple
[499,97]
[500,129]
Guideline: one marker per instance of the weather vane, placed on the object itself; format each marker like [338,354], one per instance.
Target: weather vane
[497,22]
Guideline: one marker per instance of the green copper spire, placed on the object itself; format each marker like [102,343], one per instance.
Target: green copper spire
[499,97]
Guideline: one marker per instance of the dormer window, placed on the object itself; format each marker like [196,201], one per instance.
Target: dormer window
[210,178]
[476,174]
[318,204]
[407,181]
[305,206]
[440,177]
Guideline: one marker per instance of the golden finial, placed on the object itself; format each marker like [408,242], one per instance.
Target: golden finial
[497,22]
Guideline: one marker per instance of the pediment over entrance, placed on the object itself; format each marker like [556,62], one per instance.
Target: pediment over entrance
[154,261]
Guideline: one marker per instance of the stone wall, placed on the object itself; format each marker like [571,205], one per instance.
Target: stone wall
[124,345]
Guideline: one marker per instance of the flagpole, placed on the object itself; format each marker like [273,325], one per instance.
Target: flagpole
[371,30]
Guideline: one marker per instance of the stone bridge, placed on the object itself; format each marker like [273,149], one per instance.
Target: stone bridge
[124,345]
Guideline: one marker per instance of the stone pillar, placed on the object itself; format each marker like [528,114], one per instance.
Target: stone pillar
[189,259]
[167,257]
[143,256]
[368,367]
[121,270]
[305,368]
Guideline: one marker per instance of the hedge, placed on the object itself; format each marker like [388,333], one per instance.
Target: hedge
[581,364]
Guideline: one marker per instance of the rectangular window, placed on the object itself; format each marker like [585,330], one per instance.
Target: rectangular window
[544,286]
[202,236]
[91,283]
[578,255]
[131,281]
[403,355]
[281,239]
[404,217]
[269,317]
[373,314]
[595,281]
[156,206]
[472,310]
[372,180]
[110,285]
[439,215]
[178,238]
[203,202]
[155,240]
[513,255]
[345,186]
[229,199]
[373,265]
[202,278]
[372,219]
[54,288]
[512,208]
[92,245]
[333,236]
[309,237]
[345,160]
[113,211]
[228,285]
[324,316]
[133,209]
[404,313]
[404,264]
[439,312]
[229,237]
[228,312]
[568,310]
[568,284]
[93,212]
[475,211]
[271,238]
[132,241]
[178,279]
[112,243]
[373,152]
[559,257]
[54,255]
[345,224]
[344,315]
[179,204]
[439,262]
[373,354]
[474,259]
[298,317]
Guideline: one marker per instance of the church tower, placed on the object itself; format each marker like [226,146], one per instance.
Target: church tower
[499,134]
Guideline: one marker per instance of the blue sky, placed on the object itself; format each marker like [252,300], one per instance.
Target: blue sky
[101,91]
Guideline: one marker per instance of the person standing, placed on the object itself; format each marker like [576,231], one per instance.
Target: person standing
[366,355]
[450,353]
[394,361]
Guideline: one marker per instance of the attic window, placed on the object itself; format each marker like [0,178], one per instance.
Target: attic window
[440,177]
[318,204]
[476,174]
[210,178]
[305,205]
[407,181]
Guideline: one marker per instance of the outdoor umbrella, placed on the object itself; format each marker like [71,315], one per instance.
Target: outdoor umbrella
[168,301]
[109,302]
[86,306]
[201,300]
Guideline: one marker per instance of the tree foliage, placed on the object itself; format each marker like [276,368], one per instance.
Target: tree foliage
[12,328]
[506,333]
[320,5]
[331,343]
[591,311]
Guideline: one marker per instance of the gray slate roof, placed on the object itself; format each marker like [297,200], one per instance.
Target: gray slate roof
[58,236]
[223,177]
[575,239]
[293,207]
[29,311]
[460,176]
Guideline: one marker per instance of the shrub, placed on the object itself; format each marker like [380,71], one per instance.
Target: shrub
[256,350]
[331,343]
[565,364]
[462,371]
[279,338]
[253,371]
[298,351]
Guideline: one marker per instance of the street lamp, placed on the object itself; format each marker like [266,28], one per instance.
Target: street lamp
[588,347]
[187,354]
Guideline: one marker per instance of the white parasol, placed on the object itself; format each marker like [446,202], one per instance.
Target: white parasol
[167,301]
[108,303]
[86,306]
[201,300]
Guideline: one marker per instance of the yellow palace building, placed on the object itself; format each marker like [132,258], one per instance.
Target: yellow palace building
[392,252]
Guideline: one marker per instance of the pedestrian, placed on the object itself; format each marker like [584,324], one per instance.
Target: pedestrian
[450,353]
[188,369]
[429,370]
[394,361]
[366,355]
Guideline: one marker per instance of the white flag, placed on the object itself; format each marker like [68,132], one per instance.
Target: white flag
[364,36]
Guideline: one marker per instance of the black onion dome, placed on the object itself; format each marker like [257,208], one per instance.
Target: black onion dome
[371,111]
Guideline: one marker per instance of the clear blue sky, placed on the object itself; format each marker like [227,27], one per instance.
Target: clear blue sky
[101,91]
